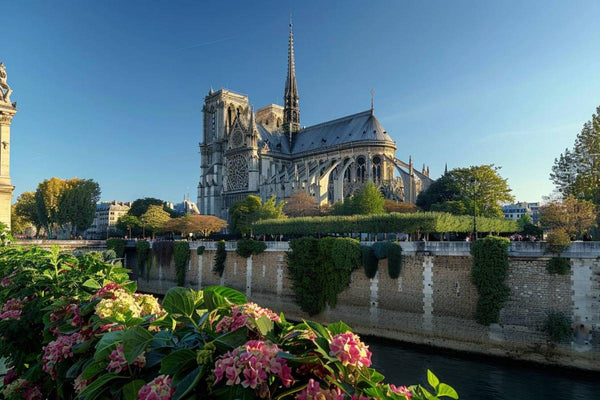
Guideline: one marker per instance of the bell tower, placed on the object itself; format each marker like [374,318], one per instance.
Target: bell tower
[7,112]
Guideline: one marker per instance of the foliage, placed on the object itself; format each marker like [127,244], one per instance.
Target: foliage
[181,256]
[558,326]
[370,262]
[118,245]
[220,257]
[102,340]
[195,223]
[399,206]
[140,206]
[558,265]
[367,201]
[245,212]
[154,218]
[320,269]
[248,247]
[143,254]
[532,230]
[130,224]
[25,211]
[465,188]
[200,250]
[577,172]
[490,267]
[301,204]
[163,252]
[424,222]
[558,240]
[394,261]
[571,215]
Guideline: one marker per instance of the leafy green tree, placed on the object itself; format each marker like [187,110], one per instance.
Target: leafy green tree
[78,203]
[368,201]
[572,215]
[195,223]
[140,206]
[301,204]
[48,196]
[244,213]
[154,219]
[440,191]
[25,210]
[577,172]
[130,224]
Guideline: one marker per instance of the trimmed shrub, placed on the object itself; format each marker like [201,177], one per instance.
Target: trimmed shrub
[200,250]
[558,326]
[220,257]
[369,261]
[181,255]
[248,247]
[381,249]
[163,251]
[394,257]
[558,265]
[320,269]
[118,245]
[490,266]
[143,253]
[558,240]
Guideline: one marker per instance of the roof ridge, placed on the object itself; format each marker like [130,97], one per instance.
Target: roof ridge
[337,119]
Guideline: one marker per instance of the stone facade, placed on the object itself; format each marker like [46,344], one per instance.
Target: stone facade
[7,111]
[105,218]
[268,153]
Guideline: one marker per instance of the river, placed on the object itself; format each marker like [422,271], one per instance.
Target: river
[477,378]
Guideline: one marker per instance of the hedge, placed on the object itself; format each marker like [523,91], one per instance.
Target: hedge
[422,222]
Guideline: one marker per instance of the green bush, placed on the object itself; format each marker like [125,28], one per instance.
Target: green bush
[558,265]
[423,222]
[394,257]
[118,245]
[143,252]
[200,250]
[558,326]
[490,266]
[248,247]
[181,255]
[558,240]
[163,252]
[369,261]
[381,249]
[220,257]
[320,269]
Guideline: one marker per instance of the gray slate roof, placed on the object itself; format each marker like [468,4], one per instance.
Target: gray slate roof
[358,127]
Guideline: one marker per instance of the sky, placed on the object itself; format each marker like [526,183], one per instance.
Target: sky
[113,90]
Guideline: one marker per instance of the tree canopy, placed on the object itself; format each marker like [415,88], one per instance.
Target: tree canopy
[25,212]
[140,206]
[245,212]
[130,224]
[154,218]
[572,215]
[367,201]
[301,204]
[195,223]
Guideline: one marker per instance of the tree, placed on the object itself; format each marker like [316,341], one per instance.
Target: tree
[572,215]
[195,223]
[478,189]
[26,210]
[399,206]
[47,197]
[130,224]
[577,172]
[18,223]
[154,218]
[245,212]
[367,201]
[78,203]
[301,204]
[140,206]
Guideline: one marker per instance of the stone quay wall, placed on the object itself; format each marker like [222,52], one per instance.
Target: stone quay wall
[432,302]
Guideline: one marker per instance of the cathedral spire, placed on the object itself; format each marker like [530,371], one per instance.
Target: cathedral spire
[291,111]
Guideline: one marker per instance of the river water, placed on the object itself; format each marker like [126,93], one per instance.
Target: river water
[476,378]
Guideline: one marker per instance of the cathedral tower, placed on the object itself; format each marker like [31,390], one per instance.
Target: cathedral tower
[291,111]
[7,111]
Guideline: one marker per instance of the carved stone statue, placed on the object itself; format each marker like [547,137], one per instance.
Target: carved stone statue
[5,90]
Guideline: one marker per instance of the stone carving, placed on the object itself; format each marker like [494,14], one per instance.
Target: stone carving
[393,189]
[237,173]
[5,90]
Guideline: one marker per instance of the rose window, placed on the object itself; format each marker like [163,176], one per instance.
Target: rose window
[237,173]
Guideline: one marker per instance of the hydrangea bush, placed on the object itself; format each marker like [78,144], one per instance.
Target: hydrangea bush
[99,339]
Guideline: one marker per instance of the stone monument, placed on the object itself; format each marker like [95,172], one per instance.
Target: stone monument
[7,111]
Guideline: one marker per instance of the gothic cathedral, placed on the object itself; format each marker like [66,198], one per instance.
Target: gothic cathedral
[267,153]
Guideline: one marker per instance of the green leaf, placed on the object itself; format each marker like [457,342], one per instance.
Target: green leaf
[187,384]
[232,295]
[231,340]
[177,360]
[179,300]
[93,369]
[92,284]
[447,391]
[432,379]
[338,327]
[107,344]
[264,324]
[135,341]
[81,347]
[73,372]
[96,388]
[130,286]
[130,391]
[318,329]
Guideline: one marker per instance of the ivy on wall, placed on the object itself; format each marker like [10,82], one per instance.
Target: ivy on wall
[490,266]
[248,247]
[558,326]
[200,250]
[181,255]
[394,256]
[163,252]
[380,251]
[558,265]
[143,253]
[220,257]
[369,261]
[118,245]
[320,269]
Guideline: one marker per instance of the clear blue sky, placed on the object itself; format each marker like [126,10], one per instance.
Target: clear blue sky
[113,90]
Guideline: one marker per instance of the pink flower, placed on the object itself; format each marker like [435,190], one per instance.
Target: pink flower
[108,291]
[313,391]
[6,281]
[348,348]
[244,315]
[12,309]
[401,390]
[118,362]
[158,389]
[80,384]
[9,377]
[59,350]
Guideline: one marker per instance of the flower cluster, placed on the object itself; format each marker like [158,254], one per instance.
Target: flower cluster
[59,350]
[240,316]
[116,301]
[348,348]
[21,389]
[6,281]
[12,309]
[250,366]
[158,389]
[401,390]
[63,312]
[148,304]
[80,384]
[313,391]
[109,291]
[118,362]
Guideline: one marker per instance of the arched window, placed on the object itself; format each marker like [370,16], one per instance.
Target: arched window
[361,169]
[230,116]
[377,168]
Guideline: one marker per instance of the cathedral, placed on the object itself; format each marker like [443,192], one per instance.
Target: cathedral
[267,152]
